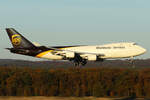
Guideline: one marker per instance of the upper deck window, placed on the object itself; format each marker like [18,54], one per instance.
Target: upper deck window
[103,47]
[119,47]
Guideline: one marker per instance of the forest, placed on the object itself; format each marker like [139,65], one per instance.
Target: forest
[75,82]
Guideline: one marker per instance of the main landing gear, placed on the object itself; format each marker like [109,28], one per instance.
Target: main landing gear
[78,63]
[78,60]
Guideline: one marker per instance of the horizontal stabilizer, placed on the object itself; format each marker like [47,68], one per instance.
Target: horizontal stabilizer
[36,44]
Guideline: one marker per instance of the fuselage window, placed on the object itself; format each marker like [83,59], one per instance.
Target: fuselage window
[119,47]
[103,47]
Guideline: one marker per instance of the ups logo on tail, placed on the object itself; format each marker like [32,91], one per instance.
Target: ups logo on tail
[16,39]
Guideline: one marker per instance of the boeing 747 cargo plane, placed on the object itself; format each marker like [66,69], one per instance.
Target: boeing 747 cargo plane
[79,54]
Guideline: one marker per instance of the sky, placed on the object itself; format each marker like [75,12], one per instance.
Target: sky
[75,22]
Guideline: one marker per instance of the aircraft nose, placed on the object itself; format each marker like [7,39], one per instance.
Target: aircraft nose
[143,50]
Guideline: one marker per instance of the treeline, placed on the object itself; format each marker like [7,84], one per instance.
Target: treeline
[138,63]
[99,82]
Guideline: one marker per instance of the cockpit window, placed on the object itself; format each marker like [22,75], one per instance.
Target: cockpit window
[135,44]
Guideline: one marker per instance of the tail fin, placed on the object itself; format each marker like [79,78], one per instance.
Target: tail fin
[17,40]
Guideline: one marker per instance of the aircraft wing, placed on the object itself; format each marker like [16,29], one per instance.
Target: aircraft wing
[58,51]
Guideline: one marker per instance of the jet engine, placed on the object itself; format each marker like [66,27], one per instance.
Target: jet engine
[92,57]
[70,55]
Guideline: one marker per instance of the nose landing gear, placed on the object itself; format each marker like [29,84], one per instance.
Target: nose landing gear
[132,62]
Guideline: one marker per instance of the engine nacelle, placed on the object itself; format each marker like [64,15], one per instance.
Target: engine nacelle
[92,57]
[70,55]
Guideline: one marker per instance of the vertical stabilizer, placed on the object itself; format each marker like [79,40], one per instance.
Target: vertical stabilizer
[17,40]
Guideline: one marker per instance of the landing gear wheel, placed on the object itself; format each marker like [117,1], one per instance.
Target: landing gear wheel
[83,62]
[76,64]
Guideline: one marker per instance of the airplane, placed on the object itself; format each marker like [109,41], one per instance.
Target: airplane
[79,54]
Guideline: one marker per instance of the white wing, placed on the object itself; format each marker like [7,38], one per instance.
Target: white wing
[64,52]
